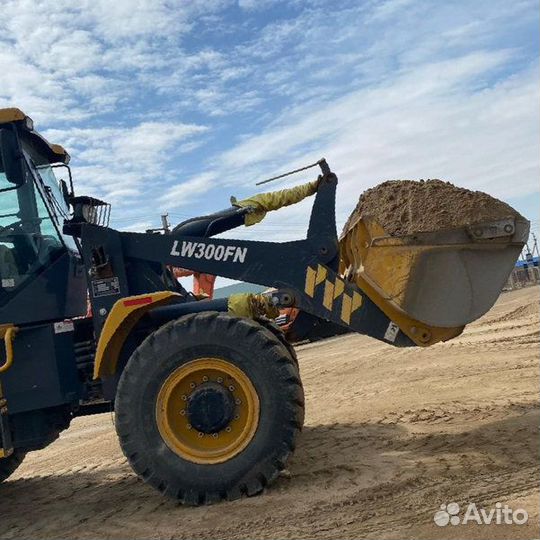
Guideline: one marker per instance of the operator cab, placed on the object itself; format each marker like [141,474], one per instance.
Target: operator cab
[36,259]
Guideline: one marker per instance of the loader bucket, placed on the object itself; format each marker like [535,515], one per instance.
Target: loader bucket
[445,279]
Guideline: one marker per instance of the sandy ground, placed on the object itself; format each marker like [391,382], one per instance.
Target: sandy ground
[390,435]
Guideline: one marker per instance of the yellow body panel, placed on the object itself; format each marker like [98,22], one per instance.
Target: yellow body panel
[310,281]
[328,298]
[58,149]
[122,318]
[11,114]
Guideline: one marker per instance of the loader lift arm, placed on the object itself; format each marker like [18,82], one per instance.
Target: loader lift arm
[304,272]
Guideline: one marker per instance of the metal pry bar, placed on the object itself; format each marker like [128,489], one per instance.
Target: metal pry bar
[322,163]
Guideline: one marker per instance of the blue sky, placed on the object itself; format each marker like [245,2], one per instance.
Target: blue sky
[177,105]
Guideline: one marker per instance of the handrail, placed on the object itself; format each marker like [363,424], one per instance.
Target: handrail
[9,336]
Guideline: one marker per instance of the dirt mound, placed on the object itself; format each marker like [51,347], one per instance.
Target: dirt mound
[405,207]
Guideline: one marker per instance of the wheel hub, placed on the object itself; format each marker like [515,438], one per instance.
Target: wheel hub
[210,408]
[207,410]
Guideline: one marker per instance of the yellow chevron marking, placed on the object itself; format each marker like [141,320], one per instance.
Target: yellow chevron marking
[321,275]
[356,301]
[310,281]
[328,299]
[339,287]
[346,309]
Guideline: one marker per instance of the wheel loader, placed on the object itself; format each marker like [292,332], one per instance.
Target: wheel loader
[206,394]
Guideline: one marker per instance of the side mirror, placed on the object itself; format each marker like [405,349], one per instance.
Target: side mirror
[10,158]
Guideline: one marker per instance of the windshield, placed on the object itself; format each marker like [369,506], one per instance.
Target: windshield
[31,217]
[51,193]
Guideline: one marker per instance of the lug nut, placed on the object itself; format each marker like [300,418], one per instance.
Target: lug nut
[183,412]
[205,379]
[201,434]
[189,426]
[184,397]
[228,429]
[215,435]
[192,385]
[236,416]
[220,379]
[238,401]
[231,388]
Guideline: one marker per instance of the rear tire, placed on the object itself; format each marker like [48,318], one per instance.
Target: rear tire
[10,464]
[219,456]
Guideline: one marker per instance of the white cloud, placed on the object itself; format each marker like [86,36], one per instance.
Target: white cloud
[184,192]
[121,164]
[319,122]
[63,61]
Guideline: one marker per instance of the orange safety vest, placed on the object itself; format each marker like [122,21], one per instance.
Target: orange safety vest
[202,283]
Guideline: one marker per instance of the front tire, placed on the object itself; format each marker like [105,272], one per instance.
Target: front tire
[209,407]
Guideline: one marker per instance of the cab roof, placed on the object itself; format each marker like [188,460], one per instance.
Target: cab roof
[54,152]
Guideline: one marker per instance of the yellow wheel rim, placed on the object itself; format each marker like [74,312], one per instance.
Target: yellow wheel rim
[175,411]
